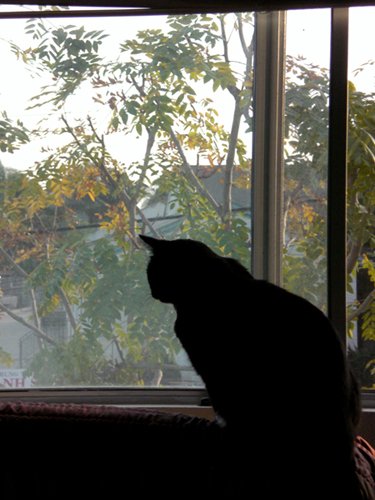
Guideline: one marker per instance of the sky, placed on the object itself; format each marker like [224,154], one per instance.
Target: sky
[21,84]
[308,34]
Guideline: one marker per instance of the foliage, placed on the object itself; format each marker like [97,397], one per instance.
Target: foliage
[11,137]
[307,98]
[305,179]
[117,334]
[69,223]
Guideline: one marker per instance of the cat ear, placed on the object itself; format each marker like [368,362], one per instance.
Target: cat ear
[152,243]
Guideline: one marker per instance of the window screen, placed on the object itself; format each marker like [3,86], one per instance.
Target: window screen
[112,127]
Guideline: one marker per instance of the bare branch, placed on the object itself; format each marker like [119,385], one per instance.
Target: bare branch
[139,88]
[224,37]
[23,322]
[362,308]
[68,308]
[355,249]
[62,295]
[249,53]
[246,50]
[71,132]
[228,172]
[15,266]
[23,274]
[99,139]
[156,379]
[119,350]
[147,223]
[200,188]
[231,88]
[150,143]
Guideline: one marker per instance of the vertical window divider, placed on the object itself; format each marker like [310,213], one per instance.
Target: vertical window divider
[268,146]
[337,171]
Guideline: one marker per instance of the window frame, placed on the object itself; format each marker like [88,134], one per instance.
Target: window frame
[267,183]
[268,146]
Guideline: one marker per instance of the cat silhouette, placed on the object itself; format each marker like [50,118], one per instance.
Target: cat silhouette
[273,365]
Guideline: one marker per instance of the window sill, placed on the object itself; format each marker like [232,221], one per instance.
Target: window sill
[119,396]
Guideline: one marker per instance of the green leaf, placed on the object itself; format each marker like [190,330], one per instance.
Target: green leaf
[139,128]
[216,84]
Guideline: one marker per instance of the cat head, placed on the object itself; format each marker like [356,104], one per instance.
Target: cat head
[181,269]
[174,267]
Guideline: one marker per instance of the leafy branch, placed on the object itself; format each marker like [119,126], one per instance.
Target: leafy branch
[36,329]
[130,202]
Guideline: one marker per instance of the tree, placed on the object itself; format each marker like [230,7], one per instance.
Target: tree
[307,100]
[305,189]
[151,90]
[159,91]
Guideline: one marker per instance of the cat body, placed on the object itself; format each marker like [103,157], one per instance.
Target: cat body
[256,344]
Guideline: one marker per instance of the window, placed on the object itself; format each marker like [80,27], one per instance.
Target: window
[360,261]
[148,132]
[304,215]
[219,127]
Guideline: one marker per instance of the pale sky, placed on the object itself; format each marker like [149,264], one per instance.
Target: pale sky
[307,35]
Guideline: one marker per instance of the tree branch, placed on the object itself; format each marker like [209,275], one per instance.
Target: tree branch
[225,41]
[62,295]
[228,172]
[68,308]
[246,50]
[150,143]
[200,188]
[123,195]
[119,350]
[249,54]
[14,264]
[35,329]
[362,308]
[354,253]
[23,274]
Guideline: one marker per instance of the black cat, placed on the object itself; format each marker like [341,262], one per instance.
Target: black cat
[273,365]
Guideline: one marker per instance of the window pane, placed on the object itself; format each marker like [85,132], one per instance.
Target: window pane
[361,195]
[110,128]
[305,164]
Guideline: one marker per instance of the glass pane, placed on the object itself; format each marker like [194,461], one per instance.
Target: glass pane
[111,128]
[361,195]
[305,164]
